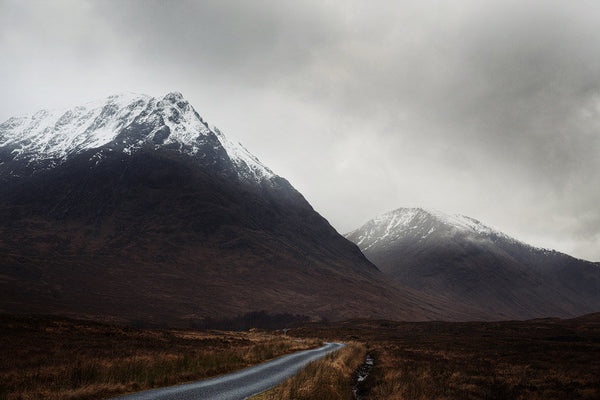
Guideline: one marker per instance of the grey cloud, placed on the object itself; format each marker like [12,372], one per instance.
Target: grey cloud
[489,108]
[255,42]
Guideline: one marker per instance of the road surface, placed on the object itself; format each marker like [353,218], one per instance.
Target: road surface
[242,384]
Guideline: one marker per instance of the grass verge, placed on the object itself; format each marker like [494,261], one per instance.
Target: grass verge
[330,378]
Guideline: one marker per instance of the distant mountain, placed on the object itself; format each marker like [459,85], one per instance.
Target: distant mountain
[134,209]
[469,263]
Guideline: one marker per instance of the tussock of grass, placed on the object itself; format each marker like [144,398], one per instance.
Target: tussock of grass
[65,359]
[500,369]
[330,378]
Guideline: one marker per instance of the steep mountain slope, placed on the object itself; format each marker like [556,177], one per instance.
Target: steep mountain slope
[134,209]
[469,263]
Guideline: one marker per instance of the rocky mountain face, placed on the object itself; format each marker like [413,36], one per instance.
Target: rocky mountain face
[471,264]
[134,209]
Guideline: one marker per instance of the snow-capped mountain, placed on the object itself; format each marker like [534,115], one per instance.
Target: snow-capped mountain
[134,209]
[470,263]
[124,123]
[385,229]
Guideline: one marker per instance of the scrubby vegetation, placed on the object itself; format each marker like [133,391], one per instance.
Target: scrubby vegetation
[54,358]
[57,358]
[538,359]
[330,378]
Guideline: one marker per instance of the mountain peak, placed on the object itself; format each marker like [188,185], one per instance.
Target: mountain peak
[456,221]
[418,222]
[175,99]
[173,96]
[124,122]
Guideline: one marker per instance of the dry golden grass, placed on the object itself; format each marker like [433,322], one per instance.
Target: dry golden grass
[330,378]
[53,358]
[511,360]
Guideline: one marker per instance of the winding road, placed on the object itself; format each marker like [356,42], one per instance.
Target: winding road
[241,384]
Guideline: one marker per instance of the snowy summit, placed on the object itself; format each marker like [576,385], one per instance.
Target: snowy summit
[124,122]
[417,223]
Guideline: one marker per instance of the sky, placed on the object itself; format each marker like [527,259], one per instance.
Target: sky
[489,109]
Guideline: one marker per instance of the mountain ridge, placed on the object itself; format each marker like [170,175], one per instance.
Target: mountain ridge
[52,136]
[468,262]
[457,221]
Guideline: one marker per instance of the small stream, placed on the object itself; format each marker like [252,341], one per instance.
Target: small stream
[361,374]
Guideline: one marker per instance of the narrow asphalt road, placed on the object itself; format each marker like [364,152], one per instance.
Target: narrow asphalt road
[242,384]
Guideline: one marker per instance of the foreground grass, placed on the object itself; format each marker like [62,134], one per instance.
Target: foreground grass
[539,359]
[330,378]
[52,358]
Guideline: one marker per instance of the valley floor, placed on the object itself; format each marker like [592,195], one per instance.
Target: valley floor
[537,359]
[58,358]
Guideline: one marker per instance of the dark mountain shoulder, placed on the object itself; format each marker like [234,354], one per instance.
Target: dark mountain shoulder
[160,237]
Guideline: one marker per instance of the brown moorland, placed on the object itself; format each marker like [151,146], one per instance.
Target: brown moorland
[50,357]
[536,359]
[330,378]
[60,358]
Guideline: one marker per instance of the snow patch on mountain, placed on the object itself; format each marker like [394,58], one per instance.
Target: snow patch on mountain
[55,135]
[185,125]
[242,158]
[462,222]
[419,223]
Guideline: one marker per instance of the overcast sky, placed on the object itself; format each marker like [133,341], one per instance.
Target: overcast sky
[485,108]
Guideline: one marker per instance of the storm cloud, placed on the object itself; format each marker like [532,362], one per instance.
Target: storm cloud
[485,108]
